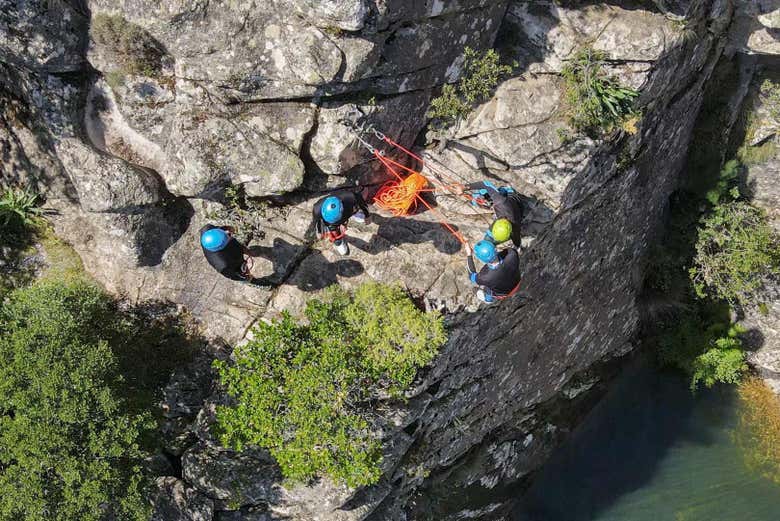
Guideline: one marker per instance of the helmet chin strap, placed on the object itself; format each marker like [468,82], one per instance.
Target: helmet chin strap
[495,264]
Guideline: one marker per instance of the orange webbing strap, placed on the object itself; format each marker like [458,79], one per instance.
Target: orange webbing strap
[443,220]
[514,290]
[334,236]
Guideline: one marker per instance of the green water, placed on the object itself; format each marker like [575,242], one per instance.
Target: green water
[653,452]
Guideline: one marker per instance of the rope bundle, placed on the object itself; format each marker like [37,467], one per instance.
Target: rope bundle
[400,197]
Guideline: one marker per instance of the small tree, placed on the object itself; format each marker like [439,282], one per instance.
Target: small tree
[736,252]
[481,74]
[299,387]
[68,449]
[597,101]
[723,363]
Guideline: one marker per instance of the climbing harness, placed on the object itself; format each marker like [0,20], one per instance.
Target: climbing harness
[333,236]
[511,293]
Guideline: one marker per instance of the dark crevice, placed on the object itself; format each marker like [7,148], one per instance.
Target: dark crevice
[175,462]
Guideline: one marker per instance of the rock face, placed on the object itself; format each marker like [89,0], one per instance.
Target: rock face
[757,26]
[135,117]
[763,183]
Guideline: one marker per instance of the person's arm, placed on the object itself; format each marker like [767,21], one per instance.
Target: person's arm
[362,204]
[495,195]
[233,275]
[470,264]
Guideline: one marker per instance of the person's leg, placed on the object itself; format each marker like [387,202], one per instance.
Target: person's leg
[484,297]
[341,246]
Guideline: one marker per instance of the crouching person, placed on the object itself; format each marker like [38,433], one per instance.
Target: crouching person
[225,254]
[332,213]
[499,278]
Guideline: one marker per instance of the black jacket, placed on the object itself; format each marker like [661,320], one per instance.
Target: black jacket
[352,201]
[502,279]
[505,207]
[229,260]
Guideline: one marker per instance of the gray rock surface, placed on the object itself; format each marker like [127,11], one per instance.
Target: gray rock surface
[763,183]
[756,26]
[261,95]
[176,501]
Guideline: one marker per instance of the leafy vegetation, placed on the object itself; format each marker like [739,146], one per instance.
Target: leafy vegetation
[758,434]
[717,250]
[240,213]
[722,362]
[352,348]
[20,212]
[736,251]
[597,102]
[135,51]
[481,74]
[68,448]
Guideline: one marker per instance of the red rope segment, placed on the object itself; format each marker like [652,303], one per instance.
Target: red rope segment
[443,221]
[453,182]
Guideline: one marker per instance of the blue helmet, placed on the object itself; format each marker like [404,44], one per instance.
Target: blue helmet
[485,251]
[214,239]
[332,209]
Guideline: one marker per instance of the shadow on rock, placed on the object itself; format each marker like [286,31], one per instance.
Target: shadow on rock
[397,231]
[307,269]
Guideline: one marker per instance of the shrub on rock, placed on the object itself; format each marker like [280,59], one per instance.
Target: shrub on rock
[300,389]
[736,252]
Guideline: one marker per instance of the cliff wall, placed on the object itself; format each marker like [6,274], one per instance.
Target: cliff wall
[134,149]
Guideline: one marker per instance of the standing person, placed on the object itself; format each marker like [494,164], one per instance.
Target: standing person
[331,214]
[499,278]
[506,207]
[224,252]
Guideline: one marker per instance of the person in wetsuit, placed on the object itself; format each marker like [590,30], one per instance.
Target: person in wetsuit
[224,252]
[499,278]
[507,209]
[331,214]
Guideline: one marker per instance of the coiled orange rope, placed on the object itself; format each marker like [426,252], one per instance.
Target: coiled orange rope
[400,197]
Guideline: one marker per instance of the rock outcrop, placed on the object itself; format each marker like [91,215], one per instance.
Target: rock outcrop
[135,145]
[762,181]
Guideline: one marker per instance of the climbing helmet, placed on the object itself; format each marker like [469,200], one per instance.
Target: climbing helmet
[485,251]
[332,209]
[501,230]
[214,239]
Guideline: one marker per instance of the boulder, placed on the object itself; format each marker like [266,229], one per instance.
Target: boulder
[234,480]
[175,501]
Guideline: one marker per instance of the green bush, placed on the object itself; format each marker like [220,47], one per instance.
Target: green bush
[735,252]
[724,362]
[596,101]
[135,50]
[298,388]
[19,214]
[481,74]
[725,186]
[68,448]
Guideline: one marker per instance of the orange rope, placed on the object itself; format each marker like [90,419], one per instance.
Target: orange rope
[453,182]
[389,165]
[400,197]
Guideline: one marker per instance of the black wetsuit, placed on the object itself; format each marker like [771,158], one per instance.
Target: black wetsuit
[505,207]
[229,260]
[502,279]
[352,201]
